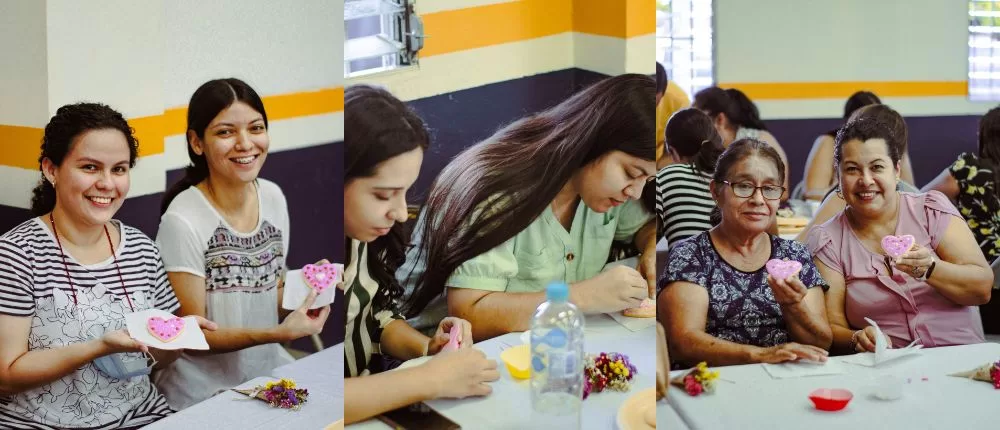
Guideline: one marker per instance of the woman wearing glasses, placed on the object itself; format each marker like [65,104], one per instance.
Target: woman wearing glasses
[717,301]
[930,293]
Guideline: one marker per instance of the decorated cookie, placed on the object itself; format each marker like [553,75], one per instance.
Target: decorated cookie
[320,277]
[895,246]
[646,309]
[783,269]
[165,330]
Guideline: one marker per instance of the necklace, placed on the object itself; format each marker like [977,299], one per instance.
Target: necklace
[62,253]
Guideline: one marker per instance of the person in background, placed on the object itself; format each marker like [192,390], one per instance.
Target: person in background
[972,182]
[819,177]
[669,100]
[737,117]
[684,200]
[717,301]
[384,146]
[928,294]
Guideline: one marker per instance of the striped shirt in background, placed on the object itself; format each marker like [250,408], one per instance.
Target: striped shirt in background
[365,322]
[33,285]
[683,201]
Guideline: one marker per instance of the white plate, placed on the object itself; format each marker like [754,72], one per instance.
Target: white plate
[632,415]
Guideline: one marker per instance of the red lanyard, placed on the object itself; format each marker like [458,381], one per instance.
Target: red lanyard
[52,219]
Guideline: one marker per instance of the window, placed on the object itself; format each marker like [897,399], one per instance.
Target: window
[984,50]
[684,42]
[380,35]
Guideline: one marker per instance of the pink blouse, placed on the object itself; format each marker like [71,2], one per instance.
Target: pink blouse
[904,308]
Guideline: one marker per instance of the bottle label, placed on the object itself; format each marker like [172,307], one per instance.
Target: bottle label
[562,364]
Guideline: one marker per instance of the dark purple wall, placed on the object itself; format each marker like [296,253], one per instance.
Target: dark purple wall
[935,142]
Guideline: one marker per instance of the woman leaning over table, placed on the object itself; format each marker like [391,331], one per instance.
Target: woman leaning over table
[929,293]
[717,302]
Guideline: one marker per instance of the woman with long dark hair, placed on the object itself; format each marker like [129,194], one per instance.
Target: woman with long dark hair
[224,239]
[541,200]
[737,117]
[384,146]
[67,277]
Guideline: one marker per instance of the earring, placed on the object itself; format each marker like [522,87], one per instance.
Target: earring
[839,193]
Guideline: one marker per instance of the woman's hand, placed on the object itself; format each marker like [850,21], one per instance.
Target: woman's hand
[787,292]
[647,268]
[443,335]
[462,373]
[302,322]
[864,340]
[618,288]
[120,341]
[915,262]
[790,352]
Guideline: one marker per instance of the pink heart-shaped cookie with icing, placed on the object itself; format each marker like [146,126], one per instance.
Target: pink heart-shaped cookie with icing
[320,277]
[783,269]
[165,330]
[895,246]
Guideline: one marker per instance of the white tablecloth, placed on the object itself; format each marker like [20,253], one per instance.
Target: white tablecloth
[509,406]
[321,373]
[667,418]
[756,401]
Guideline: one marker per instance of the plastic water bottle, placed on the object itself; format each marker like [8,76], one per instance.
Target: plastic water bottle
[556,361]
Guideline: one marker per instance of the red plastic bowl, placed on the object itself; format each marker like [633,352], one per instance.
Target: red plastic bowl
[830,399]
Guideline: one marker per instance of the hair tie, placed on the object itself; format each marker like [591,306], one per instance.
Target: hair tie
[704,142]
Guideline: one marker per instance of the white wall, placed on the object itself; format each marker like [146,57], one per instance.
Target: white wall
[777,41]
[23,85]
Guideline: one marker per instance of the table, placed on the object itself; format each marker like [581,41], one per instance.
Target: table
[667,418]
[509,406]
[322,373]
[755,400]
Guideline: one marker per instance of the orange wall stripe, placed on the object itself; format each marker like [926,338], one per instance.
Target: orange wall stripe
[21,145]
[819,90]
[601,17]
[640,17]
[477,27]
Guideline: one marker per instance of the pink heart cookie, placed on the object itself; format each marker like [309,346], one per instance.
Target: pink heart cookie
[165,330]
[320,277]
[896,246]
[783,269]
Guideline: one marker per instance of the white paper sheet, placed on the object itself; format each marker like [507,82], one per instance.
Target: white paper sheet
[798,369]
[633,324]
[191,338]
[883,351]
[296,290]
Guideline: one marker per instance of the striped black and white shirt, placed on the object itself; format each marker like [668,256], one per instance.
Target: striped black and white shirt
[365,321]
[683,201]
[33,284]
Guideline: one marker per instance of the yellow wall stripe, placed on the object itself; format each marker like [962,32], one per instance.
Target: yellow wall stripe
[22,144]
[640,16]
[476,27]
[481,26]
[820,90]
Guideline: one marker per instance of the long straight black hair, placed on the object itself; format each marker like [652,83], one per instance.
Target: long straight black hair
[378,127]
[522,167]
[206,103]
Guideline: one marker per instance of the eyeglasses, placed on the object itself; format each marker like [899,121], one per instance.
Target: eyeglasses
[746,189]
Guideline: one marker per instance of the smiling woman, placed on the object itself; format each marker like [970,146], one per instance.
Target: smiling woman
[62,290]
[224,238]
